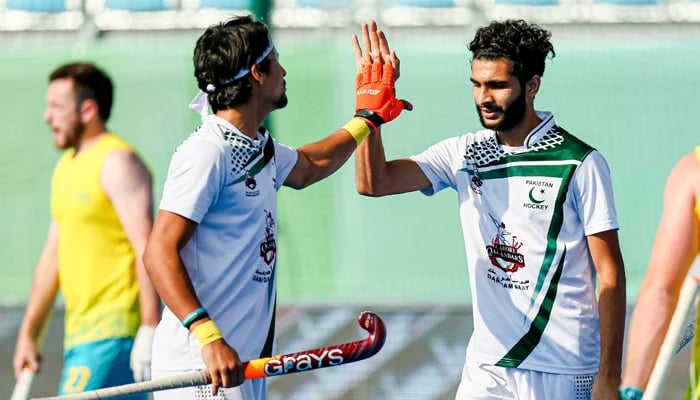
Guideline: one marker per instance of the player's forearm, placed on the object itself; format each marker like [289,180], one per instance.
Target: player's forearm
[42,295]
[370,165]
[320,159]
[36,315]
[612,307]
[170,279]
[149,302]
[612,310]
[650,321]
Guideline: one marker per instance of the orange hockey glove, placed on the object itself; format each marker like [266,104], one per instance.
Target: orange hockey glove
[375,100]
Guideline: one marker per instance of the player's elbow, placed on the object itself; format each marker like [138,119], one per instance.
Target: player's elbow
[150,257]
[368,187]
[368,193]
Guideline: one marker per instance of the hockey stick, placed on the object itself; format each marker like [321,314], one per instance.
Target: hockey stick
[262,367]
[679,332]
[25,379]
[23,385]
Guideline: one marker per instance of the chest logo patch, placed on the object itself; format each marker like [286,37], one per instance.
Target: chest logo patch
[504,249]
[505,256]
[268,250]
[537,195]
[251,184]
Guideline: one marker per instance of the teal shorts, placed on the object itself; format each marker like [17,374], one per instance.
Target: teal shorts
[97,365]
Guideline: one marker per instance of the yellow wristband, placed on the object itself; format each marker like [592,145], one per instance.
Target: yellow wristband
[206,333]
[358,128]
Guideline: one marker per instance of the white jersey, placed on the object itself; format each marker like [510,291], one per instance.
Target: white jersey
[525,215]
[227,184]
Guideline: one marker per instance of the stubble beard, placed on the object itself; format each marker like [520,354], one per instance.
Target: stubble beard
[281,102]
[512,115]
[72,136]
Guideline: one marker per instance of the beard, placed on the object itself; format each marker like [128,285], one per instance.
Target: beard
[512,115]
[281,102]
[72,136]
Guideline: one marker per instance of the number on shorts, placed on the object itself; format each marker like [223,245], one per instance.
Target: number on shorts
[77,379]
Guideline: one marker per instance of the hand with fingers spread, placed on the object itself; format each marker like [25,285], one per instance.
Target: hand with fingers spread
[377,71]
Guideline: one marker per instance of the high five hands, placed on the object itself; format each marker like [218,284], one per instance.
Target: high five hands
[377,71]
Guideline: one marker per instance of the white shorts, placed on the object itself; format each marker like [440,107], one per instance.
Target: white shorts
[249,390]
[488,382]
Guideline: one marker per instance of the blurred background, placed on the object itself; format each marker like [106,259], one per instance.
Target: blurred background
[623,80]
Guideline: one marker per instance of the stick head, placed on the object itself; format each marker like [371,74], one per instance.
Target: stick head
[373,324]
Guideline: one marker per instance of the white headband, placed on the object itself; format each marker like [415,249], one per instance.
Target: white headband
[200,103]
[244,71]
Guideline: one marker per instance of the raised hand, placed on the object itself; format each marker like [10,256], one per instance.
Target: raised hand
[376,48]
[377,71]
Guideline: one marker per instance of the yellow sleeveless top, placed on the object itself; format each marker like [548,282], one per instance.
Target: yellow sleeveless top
[697,206]
[693,391]
[96,264]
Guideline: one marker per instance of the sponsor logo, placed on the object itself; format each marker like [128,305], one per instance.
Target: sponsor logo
[504,249]
[371,92]
[251,184]
[268,250]
[475,181]
[82,197]
[507,281]
[303,362]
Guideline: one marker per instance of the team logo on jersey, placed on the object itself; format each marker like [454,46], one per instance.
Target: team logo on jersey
[475,181]
[504,249]
[268,250]
[251,184]
[82,197]
[537,195]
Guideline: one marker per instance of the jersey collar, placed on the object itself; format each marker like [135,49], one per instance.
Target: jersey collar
[226,128]
[540,130]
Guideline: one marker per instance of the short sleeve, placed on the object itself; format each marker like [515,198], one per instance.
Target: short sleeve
[593,195]
[195,178]
[285,159]
[440,163]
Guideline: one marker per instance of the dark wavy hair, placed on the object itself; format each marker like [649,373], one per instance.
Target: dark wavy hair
[89,82]
[221,51]
[525,45]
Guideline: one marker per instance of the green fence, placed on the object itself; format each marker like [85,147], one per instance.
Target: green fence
[634,100]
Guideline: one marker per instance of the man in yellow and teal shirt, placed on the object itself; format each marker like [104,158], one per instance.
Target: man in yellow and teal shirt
[676,245]
[101,216]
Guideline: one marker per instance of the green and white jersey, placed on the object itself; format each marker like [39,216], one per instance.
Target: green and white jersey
[525,215]
[227,183]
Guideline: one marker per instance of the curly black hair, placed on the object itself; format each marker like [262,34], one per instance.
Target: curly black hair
[221,51]
[525,45]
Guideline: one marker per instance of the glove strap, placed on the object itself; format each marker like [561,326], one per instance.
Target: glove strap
[206,333]
[370,116]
